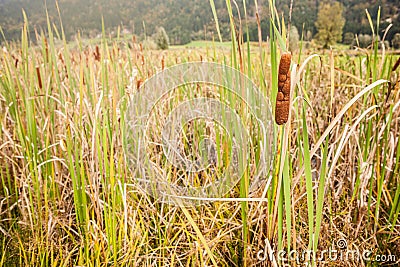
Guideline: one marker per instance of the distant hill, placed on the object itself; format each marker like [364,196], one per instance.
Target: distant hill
[184,20]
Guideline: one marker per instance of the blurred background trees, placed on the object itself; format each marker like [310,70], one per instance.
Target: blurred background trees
[329,24]
[161,38]
[187,20]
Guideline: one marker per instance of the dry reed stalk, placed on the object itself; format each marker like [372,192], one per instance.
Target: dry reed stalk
[396,64]
[283,96]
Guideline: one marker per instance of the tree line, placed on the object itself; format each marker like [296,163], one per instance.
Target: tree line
[188,20]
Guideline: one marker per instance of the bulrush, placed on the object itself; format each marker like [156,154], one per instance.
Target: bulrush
[283,96]
[97,53]
[46,46]
[138,83]
[39,77]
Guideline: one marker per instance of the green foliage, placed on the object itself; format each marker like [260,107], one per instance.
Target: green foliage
[161,38]
[180,36]
[330,24]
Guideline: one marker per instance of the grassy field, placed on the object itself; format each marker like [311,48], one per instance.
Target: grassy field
[68,195]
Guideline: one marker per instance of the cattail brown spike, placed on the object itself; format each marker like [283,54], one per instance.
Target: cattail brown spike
[46,46]
[39,77]
[138,83]
[16,60]
[283,97]
[97,53]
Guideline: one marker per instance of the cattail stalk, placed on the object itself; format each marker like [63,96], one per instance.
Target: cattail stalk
[396,64]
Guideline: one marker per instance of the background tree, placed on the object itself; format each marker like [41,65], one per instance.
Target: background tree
[396,41]
[161,38]
[348,38]
[330,24]
[364,40]
[294,39]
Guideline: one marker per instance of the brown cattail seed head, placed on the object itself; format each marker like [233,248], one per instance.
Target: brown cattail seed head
[97,53]
[39,77]
[283,97]
[138,83]
[281,112]
[284,64]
